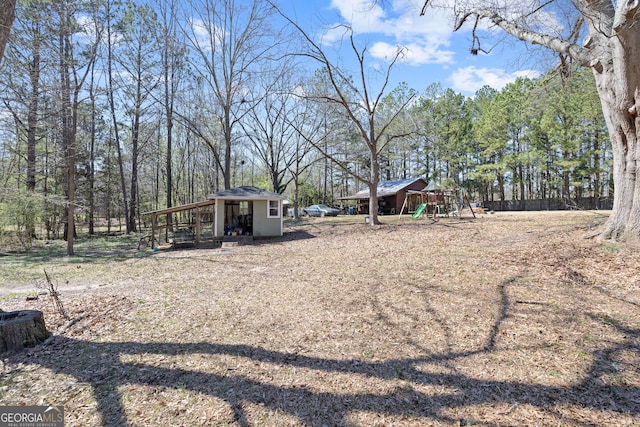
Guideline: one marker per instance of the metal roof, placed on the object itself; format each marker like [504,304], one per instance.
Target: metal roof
[432,187]
[385,188]
[246,192]
[239,193]
[180,208]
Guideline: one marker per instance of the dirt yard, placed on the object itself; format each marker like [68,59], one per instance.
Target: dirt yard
[508,319]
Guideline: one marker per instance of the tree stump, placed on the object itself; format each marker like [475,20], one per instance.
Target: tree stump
[19,329]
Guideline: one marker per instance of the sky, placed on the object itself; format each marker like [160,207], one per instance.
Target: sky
[434,53]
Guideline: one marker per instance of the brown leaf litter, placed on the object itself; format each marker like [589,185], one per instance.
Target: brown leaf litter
[509,319]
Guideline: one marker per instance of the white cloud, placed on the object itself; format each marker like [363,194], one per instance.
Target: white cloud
[362,15]
[383,50]
[424,37]
[402,20]
[471,79]
[414,54]
[431,50]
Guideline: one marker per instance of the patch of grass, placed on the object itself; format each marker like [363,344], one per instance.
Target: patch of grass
[583,355]
[13,295]
[609,247]
[25,267]
[614,380]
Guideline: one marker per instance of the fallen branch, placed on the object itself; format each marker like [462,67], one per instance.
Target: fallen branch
[524,301]
[62,329]
[508,411]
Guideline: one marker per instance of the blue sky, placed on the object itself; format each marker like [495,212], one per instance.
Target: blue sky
[433,52]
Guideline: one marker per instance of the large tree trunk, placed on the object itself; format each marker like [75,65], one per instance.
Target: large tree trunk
[131,218]
[92,154]
[618,83]
[32,124]
[228,142]
[169,160]
[112,108]
[624,221]
[135,141]
[7,15]
[373,191]
[68,125]
[596,168]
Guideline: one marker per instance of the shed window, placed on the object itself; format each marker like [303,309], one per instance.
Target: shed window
[274,209]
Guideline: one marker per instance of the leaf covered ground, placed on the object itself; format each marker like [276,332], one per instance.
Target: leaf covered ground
[508,319]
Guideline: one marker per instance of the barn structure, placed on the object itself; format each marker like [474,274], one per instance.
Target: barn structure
[243,211]
[391,196]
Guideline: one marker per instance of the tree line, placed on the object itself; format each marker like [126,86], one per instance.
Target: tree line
[113,108]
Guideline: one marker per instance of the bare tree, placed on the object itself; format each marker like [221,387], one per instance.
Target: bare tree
[172,55]
[362,111]
[73,74]
[111,38]
[611,49]
[272,136]
[138,60]
[300,118]
[230,42]
[26,58]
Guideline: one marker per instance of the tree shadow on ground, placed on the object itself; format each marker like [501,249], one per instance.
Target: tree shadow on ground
[108,366]
[287,236]
[316,408]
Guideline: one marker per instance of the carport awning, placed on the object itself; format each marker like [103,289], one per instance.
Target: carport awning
[181,208]
[246,192]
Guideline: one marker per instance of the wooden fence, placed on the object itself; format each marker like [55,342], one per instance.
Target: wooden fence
[585,203]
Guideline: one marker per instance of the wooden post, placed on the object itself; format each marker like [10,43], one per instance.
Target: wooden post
[213,223]
[197,226]
[403,204]
[446,205]
[154,223]
[465,200]
[166,228]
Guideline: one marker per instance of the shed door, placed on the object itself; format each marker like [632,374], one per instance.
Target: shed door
[238,217]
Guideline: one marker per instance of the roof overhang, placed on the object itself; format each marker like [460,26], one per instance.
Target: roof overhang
[246,193]
[180,208]
[385,189]
[240,193]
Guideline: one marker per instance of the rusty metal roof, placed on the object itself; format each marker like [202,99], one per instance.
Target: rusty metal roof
[385,188]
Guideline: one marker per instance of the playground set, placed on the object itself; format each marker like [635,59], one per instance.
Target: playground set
[435,202]
[411,196]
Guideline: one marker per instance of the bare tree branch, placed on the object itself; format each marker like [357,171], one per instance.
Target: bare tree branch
[567,47]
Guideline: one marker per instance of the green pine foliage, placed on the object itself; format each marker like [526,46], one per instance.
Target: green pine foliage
[533,139]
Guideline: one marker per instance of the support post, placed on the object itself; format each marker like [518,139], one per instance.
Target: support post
[197,236]
[154,224]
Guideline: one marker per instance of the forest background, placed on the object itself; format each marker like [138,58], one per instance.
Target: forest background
[118,108]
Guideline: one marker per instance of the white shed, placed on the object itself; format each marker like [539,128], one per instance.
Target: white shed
[242,211]
[248,210]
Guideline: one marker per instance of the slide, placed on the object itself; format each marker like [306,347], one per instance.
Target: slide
[421,209]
